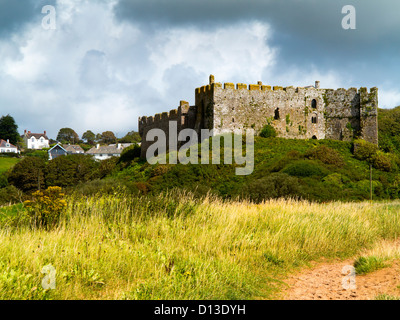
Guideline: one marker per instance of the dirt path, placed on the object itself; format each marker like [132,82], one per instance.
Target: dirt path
[324,282]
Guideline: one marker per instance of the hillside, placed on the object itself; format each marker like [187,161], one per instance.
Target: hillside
[309,169]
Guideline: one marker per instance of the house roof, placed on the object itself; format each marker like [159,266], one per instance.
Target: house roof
[73,148]
[36,135]
[105,150]
[57,145]
[3,144]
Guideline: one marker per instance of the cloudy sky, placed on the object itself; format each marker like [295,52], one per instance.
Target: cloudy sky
[110,61]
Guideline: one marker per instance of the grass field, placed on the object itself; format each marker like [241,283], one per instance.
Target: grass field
[7,163]
[177,247]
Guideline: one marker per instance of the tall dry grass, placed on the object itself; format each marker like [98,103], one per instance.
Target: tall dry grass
[176,247]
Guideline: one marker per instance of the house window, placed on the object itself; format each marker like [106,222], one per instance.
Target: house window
[314,104]
[33,139]
[276,117]
[41,140]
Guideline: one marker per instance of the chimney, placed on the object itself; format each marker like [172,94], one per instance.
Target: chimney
[25,131]
[97,146]
[316,84]
[260,83]
[45,132]
[29,132]
[8,140]
[119,146]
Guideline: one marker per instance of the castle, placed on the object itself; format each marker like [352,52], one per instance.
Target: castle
[295,113]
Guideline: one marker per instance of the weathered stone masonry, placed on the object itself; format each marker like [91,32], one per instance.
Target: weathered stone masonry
[295,113]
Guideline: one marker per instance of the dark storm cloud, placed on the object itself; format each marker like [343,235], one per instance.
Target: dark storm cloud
[16,14]
[308,32]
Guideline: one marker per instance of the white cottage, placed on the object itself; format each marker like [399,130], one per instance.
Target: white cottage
[105,152]
[36,140]
[7,147]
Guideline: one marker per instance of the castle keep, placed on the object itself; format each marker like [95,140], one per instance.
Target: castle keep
[295,113]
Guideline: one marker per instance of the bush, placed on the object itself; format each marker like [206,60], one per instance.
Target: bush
[9,195]
[305,168]
[46,208]
[28,174]
[364,150]
[130,153]
[325,155]
[268,131]
[382,162]
[276,185]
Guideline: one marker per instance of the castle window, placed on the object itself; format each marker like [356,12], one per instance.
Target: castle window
[276,117]
[314,104]
[314,119]
[233,120]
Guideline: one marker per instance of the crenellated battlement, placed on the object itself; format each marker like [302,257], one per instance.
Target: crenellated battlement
[295,112]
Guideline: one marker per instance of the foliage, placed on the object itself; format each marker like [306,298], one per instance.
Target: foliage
[325,155]
[28,174]
[364,150]
[67,135]
[108,137]
[70,170]
[130,153]
[305,168]
[89,137]
[9,129]
[268,131]
[46,208]
[276,185]
[131,137]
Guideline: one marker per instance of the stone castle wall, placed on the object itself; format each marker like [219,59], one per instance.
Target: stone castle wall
[296,113]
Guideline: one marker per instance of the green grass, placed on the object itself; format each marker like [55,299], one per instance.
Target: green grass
[364,265]
[7,163]
[175,246]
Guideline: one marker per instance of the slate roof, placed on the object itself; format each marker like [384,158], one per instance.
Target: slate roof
[3,144]
[73,148]
[105,150]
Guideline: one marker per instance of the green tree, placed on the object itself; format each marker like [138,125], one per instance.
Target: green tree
[9,129]
[131,137]
[89,136]
[108,137]
[70,170]
[67,135]
[28,174]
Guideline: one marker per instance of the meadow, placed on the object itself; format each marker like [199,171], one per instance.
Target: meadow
[176,246]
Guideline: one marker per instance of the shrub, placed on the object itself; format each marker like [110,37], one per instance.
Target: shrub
[268,131]
[381,161]
[28,174]
[276,185]
[130,153]
[325,155]
[46,208]
[364,150]
[305,168]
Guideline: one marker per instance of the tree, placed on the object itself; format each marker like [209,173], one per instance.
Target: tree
[9,129]
[89,136]
[131,137]
[108,137]
[67,135]
[28,174]
[69,170]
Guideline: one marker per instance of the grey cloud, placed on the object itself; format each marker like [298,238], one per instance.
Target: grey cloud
[307,32]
